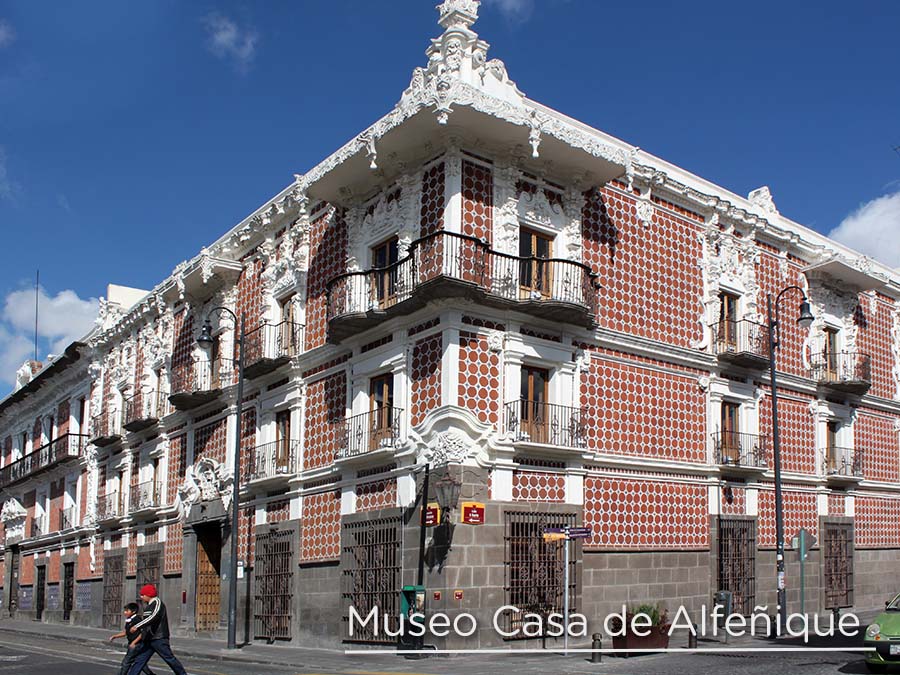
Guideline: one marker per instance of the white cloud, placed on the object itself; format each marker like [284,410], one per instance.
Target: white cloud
[63,318]
[874,229]
[228,40]
[9,189]
[515,10]
[7,34]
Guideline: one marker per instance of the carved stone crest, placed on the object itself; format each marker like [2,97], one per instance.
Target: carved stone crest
[451,445]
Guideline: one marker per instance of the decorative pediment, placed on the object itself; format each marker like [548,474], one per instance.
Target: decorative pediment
[451,435]
[205,481]
[534,207]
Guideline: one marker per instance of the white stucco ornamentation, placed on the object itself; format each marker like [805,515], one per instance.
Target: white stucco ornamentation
[450,446]
[506,209]
[206,480]
[13,516]
[728,263]
[762,197]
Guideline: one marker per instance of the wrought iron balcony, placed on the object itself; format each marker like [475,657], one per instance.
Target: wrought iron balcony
[200,381]
[146,495]
[106,428]
[271,460]
[742,343]
[377,429]
[270,346]
[38,526]
[108,506]
[845,372]
[545,423]
[740,453]
[448,264]
[68,518]
[57,451]
[842,465]
[144,409]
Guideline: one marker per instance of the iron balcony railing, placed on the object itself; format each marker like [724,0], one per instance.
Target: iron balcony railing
[145,495]
[841,367]
[68,518]
[843,462]
[106,426]
[278,458]
[56,451]
[379,428]
[740,450]
[547,423]
[38,526]
[741,336]
[449,255]
[273,341]
[145,407]
[203,375]
[108,505]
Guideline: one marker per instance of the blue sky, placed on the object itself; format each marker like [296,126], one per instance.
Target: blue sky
[132,133]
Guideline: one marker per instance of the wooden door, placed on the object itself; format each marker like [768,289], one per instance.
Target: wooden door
[288,337]
[831,352]
[384,259]
[728,337]
[832,458]
[283,441]
[731,446]
[534,411]
[209,556]
[535,276]
[381,397]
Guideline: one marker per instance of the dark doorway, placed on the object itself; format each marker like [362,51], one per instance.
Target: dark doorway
[13,602]
[40,589]
[68,590]
[209,560]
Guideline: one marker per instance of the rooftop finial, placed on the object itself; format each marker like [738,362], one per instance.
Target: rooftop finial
[458,13]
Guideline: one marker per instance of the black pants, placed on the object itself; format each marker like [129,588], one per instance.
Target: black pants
[161,647]
[129,659]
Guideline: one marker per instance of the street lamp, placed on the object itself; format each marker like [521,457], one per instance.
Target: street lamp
[805,318]
[205,341]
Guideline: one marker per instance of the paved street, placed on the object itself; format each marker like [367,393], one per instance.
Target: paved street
[36,655]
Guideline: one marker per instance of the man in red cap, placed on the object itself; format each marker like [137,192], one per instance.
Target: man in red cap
[154,629]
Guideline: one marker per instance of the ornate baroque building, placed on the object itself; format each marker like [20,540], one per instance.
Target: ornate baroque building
[561,326]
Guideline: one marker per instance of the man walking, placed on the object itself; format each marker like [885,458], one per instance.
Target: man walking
[154,627]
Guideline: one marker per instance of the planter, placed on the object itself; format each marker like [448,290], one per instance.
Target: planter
[656,640]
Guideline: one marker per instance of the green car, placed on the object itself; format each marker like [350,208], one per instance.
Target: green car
[884,635]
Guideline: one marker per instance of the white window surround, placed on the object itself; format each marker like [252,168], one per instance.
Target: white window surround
[824,412]
[743,394]
[527,351]
[393,361]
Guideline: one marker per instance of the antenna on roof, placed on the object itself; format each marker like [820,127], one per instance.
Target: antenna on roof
[37,283]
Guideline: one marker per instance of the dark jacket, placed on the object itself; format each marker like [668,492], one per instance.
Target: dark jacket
[131,632]
[155,624]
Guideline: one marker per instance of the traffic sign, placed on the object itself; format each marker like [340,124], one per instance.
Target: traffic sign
[578,532]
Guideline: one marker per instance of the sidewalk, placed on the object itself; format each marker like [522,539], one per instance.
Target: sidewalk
[206,648]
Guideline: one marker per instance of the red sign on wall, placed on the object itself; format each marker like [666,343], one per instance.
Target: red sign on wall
[473,513]
[432,514]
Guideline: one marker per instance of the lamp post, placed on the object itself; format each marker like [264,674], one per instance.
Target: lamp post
[805,318]
[206,341]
